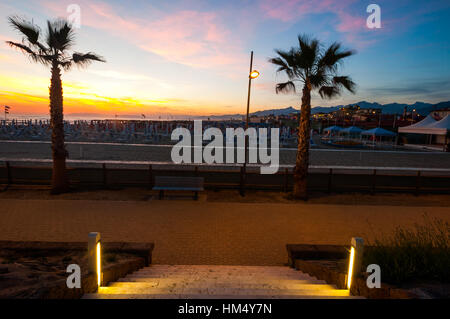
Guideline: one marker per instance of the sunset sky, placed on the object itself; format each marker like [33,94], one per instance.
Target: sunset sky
[191,57]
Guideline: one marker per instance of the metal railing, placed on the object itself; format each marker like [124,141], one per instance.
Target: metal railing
[321,178]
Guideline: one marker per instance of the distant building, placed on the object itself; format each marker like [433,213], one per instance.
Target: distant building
[348,111]
[320,115]
[441,113]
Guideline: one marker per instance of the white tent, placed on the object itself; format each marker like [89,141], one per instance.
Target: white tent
[419,128]
[438,128]
[378,132]
[441,127]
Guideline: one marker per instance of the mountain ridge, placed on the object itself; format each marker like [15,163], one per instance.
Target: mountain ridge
[422,108]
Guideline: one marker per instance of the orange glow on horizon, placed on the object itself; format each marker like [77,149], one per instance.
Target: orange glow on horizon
[23,104]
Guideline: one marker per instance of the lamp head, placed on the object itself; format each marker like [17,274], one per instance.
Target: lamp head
[254,74]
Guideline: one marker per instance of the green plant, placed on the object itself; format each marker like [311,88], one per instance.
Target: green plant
[413,254]
[66,259]
[110,258]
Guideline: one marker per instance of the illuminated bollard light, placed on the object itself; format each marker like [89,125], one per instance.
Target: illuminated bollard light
[355,259]
[94,256]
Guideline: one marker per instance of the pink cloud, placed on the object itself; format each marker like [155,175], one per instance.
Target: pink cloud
[353,27]
[350,23]
[289,10]
[189,37]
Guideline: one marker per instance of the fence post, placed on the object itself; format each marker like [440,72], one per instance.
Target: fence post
[94,256]
[374,179]
[418,183]
[242,182]
[8,173]
[286,180]
[150,176]
[105,181]
[330,174]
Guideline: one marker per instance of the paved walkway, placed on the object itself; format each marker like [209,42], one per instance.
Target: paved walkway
[188,232]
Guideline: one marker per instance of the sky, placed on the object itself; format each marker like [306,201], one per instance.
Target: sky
[191,57]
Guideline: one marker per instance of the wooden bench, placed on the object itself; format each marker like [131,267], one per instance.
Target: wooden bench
[176,183]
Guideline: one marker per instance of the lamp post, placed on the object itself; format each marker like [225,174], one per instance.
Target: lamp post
[253,74]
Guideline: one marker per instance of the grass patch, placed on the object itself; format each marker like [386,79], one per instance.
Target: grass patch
[413,254]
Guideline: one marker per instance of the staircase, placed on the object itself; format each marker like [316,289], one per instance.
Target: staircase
[217,282]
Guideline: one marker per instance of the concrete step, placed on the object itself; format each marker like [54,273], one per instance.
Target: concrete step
[218,282]
[221,274]
[218,285]
[318,291]
[269,269]
[164,281]
[196,296]
[211,274]
[221,269]
[230,272]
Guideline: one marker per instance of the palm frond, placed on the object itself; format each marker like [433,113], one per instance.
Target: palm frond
[308,53]
[25,49]
[83,60]
[329,92]
[346,82]
[331,58]
[283,66]
[318,80]
[27,28]
[66,64]
[60,35]
[285,87]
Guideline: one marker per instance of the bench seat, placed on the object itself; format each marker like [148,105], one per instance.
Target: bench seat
[175,183]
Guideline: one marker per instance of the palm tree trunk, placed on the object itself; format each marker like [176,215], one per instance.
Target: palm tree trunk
[59,179]
[304,134]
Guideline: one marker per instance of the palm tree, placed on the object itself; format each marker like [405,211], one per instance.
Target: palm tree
[312,68]
[53,53]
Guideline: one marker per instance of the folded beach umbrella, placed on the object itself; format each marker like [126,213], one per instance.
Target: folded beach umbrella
[333,129]
[379,132]
[351,130]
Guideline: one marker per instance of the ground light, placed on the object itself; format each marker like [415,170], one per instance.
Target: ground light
[355,259]
[350,267]
[99,265]
[95,256]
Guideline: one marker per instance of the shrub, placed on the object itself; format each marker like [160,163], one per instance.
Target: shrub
[419,253]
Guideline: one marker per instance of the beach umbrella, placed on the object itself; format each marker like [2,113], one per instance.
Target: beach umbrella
[378,132]
[333,128]
[351,130]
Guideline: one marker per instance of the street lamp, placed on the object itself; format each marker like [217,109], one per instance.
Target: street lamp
[253,74]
